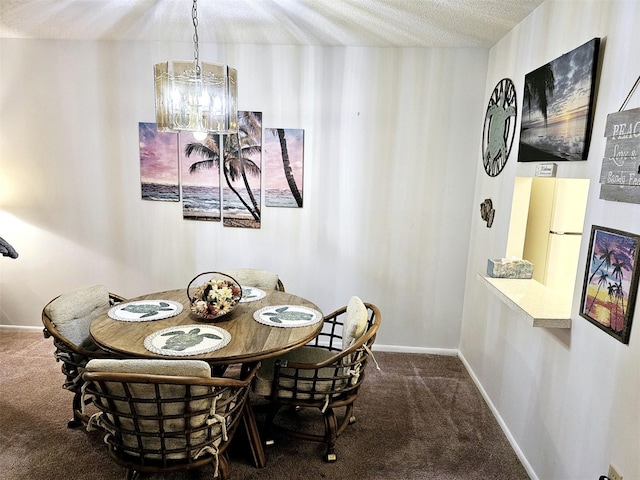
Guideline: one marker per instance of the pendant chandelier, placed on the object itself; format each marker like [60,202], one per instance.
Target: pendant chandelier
[196,97]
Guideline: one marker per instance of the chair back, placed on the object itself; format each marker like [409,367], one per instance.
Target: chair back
[67,318]
[326,374]
[253,277]
[323,370]
[165,415]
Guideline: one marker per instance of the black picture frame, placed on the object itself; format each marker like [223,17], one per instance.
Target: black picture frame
[610,283]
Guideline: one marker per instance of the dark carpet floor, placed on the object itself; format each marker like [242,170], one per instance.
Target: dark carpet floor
[419,417]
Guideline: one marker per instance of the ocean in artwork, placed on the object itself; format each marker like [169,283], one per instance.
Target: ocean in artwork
[233,207]
[160,192]
[562,139]
[201,202]
[274,197]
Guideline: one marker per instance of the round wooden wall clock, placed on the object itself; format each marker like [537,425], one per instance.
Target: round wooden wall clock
[499,127]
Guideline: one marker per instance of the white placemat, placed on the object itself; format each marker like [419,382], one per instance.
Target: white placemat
[187,340]
[145,310]
[251,294]
[287,316]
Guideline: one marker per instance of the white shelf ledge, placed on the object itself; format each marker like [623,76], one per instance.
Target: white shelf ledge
[541,306]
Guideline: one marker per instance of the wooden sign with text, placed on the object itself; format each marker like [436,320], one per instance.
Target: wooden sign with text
[620,174]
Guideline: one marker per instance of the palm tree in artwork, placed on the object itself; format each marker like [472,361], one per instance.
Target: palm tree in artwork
[605,257]
[238,152]
[602,280]
[286,164]
[238,148]
[208,150]
[618,274]
[538,84]
[616,296]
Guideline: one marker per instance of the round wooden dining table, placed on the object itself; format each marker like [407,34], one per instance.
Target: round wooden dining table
[251,341]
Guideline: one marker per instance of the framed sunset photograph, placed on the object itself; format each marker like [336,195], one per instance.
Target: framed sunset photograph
[557,107]
[611,281]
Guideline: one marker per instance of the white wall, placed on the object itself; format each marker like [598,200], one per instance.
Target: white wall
[570,399]
[391,138]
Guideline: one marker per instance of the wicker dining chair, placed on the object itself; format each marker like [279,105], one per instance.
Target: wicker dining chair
[166,415]
[326,374]
[67,318]
[254,277]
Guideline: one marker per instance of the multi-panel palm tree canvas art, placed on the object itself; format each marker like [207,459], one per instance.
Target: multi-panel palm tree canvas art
[611,281]
[159,175]
[558,106]
[220,176]
[283,163]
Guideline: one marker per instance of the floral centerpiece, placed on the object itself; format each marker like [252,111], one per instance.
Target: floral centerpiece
[216,297]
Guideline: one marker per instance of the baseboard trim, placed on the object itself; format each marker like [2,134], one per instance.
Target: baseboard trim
[20,327]
[496,414]
[452,352]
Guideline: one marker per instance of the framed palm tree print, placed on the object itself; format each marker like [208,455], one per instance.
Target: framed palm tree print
[611,281]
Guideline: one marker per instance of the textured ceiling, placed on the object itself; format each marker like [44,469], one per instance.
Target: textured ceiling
[401,23]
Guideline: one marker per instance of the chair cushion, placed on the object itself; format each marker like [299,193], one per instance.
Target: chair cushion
[252,277]
[72,312]
[356,322]
[173,423]
[186,368]
[264,378]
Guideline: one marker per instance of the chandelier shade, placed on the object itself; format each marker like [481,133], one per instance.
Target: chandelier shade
[196,97]
[204,101]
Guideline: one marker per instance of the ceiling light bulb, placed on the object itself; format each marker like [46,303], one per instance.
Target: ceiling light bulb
[200,136]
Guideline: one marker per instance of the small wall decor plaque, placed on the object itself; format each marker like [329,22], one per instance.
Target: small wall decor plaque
[546,169]
[487,212]
[620,175]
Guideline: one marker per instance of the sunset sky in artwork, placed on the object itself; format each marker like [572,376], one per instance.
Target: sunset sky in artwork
[160,151]
[158,155]
[274,178]
[208,177]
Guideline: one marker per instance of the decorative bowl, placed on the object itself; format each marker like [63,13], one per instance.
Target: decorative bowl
[214,298]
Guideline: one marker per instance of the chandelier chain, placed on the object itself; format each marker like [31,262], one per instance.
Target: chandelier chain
[196,51]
